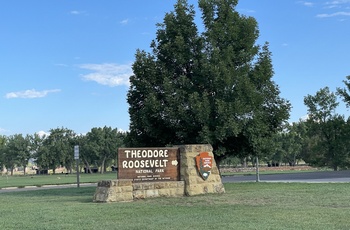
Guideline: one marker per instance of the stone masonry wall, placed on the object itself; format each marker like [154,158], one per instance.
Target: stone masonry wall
[194,183]
[113,191]
[158,189]
[125,190]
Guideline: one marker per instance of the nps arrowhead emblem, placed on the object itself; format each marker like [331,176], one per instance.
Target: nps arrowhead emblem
[204,163]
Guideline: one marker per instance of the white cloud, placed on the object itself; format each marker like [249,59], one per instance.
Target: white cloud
[32,93]
[249,11]
[333,15]
[108,74]
[3,130]
[331,7]
[75,12]
[124,22]
[42,133]
[337,4]
[309,4]
[305,117]
[122,131]
[78,12]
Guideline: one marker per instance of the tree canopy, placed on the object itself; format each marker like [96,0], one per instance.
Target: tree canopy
[98,148]
[328,131]
[215,87]
[56,149]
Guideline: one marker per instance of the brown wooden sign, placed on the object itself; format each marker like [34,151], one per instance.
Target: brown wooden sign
[204,163]
[149,164]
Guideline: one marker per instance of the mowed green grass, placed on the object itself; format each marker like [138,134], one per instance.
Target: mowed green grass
[56,179]
[243,206]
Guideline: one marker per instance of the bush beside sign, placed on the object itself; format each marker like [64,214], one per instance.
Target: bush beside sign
[149,164]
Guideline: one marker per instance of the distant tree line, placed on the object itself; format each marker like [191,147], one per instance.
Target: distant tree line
[322,139]
[98,148]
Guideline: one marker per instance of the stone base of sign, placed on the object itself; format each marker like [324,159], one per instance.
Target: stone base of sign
[190,184]
[113,191]
[125,190]
[158,189]
[194,183]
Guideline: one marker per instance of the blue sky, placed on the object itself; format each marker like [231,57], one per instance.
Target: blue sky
[66,63]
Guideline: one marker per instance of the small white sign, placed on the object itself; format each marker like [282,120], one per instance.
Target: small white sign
[76,152]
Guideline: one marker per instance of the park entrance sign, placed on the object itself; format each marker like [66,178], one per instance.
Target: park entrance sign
[149,164]
[183,170]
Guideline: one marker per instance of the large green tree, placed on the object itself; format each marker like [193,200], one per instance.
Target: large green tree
[3,141]
[23,151]
[17,152]
[345,92]
[165,92]
[290,143]
[329,130]
[36,142]
[100,147]
[214,87]
[56,150]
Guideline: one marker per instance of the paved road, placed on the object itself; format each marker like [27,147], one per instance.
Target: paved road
[310,177]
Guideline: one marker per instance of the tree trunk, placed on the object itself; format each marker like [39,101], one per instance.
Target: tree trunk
[218,160]
[24,170]
[244,162]
[103,165]
[88,169]
[69,169]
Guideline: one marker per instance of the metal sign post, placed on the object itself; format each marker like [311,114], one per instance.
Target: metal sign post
[76,157]
[257,169]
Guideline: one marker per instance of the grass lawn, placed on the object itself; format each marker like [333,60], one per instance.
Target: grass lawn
[39,180]
[243,206]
